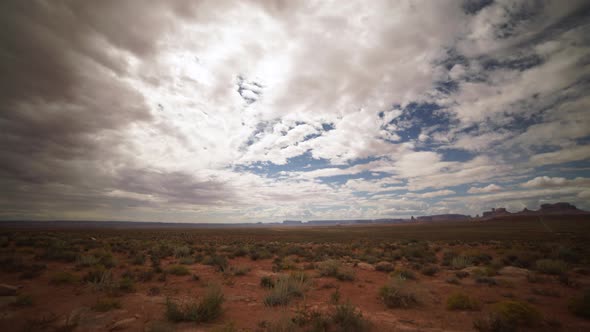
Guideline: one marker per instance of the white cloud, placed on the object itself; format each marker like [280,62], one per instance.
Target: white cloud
[548,182]
[487,189]
[561,156]
[220,86]
[432,194]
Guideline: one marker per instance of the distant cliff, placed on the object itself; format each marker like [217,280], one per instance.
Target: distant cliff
[443,217]
[561,208]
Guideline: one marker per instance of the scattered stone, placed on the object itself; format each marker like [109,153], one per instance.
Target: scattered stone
[123,324]
[471,269]
[8,290]
[511,271]
[366,266]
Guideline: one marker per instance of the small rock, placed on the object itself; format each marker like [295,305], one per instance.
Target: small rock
[123,324]
[366,266]
[513,271]
[8,290]
[471,269]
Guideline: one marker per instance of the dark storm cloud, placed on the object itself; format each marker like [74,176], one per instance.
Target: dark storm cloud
[64,104]
[60,74]
[176,187]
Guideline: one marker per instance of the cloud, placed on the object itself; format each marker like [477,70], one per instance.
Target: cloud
[548,182]
[432,194]
[252,111]
[487,189]
[562,156]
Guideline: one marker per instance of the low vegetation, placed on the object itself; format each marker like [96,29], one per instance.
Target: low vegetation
[398,294]
[205,310]
[580,305]
[335,269]
[551,266]
[509,316]
[286,288]
[460,301]
[308,279]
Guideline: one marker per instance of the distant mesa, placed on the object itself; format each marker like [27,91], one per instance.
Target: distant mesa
[561,208]
[443,217]
[495,213]
[558,209]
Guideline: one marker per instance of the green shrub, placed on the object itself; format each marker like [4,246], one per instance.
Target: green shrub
[484,272]
[397,295]
[335,296]
[238,270]
[349,319]
[106,304]
[126,284]
[545,292]
[207,309]
[461,262]
[314,320]
[513,314]
[63,278]
[570,255]
[518,312]
[404,274]
[459,301]
[384,267]
[486,280]
[429,270]
[145,275]
[86,261]
[178,270]
[138,259]
[286,288]
[219,262]
[418,252]
[267,282]
[453,281]
[186,260]
[106,258]
[580,305]
[59,250]
[550,266]
[533,277]
[32,271]
[23,300]
[285,263]
[522,258]
[260,254]
[448,257]
[333,268]
[182,251]
[284,324]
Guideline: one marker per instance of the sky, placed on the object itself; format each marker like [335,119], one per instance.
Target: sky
[260,111]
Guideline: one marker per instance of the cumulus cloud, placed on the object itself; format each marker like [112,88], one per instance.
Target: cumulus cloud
[487,189]
[252,111]
[548,182]
[432,194]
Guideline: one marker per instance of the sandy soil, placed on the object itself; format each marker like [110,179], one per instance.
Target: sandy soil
[245,308]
